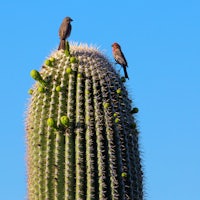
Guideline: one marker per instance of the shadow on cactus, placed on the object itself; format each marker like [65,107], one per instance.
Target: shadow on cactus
[81,142]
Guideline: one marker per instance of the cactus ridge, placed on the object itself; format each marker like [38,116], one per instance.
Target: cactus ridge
[81,142]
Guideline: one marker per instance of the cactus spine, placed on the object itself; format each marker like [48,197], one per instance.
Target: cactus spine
[82,140]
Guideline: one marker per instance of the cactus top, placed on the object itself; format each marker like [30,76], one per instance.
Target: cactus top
[82,140]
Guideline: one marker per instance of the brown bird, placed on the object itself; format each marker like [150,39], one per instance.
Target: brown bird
[119,57]
[64,31]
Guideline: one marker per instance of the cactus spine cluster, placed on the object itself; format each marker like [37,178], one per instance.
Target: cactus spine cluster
[82,139]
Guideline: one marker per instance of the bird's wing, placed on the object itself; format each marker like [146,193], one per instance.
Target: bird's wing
[120,58]
[68,30]
[63,30]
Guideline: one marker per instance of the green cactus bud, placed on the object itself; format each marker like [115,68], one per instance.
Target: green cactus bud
[67,46]
[87,92]
[117,120]
[48,63]
[64,120]
[50,122]
[41,89]
[105,105]
[80,75]
[30,91]
[124,174]
[67,50]
[58,88]
[73,60]
[52,59]
[69,70]
[119,91]
[36,75]
[67,53]
[115,115]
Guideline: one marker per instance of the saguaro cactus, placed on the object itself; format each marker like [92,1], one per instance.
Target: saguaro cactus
[82,139]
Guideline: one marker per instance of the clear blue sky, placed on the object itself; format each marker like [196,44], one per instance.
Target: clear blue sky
[161,41]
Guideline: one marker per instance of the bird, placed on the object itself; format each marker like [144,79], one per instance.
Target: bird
[64,31]
[119,57]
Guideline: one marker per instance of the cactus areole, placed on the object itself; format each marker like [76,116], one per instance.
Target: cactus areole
[81,142]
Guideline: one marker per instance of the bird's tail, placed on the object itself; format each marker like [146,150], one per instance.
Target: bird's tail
[61,45]
[125,72]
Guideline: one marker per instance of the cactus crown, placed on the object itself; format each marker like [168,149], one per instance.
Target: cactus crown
[82,139]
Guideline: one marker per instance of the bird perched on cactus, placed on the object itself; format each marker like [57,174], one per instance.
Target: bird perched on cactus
[119,57]
[64,31]
[82,137]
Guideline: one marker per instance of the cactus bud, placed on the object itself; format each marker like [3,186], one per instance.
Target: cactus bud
[80,75]
[119,91]
[48,63]
[117,120]
[41,89]
[50,122]
[124,174]
[64,120]
[73,60]
[105,105]
[69,70]
[58,88]
[30,91]
[115,115]
[36,75]
[52,59]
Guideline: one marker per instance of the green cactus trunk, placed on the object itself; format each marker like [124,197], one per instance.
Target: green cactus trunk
[82,140]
